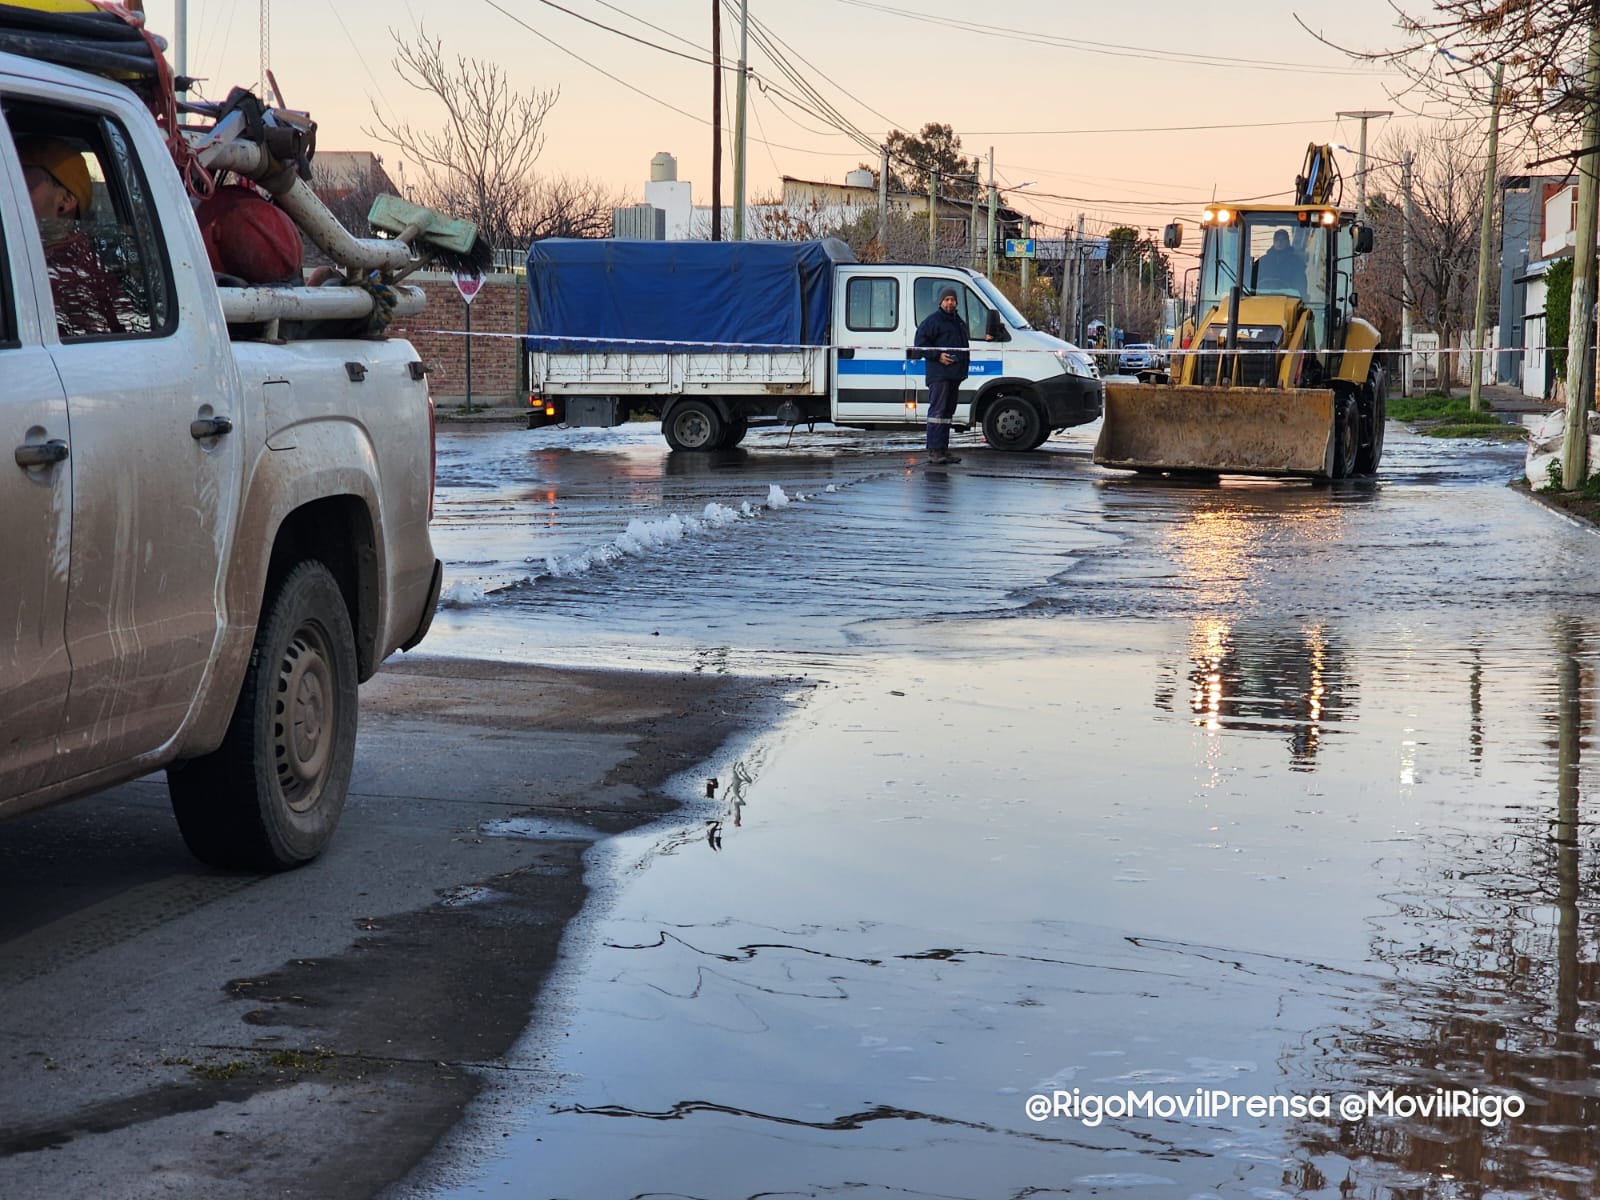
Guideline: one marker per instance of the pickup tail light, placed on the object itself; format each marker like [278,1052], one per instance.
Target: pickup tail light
[433,454]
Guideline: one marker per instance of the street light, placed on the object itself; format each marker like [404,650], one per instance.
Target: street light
[1407,221]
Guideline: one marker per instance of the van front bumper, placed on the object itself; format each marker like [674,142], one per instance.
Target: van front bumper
[1071,400]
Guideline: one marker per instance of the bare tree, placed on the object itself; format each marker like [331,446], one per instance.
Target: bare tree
[1447,196]
[568,207]
[479,164]
[1446,49]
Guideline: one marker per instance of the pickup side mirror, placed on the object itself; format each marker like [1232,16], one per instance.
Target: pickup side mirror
[996,330]
[1172,235]
[1363,239]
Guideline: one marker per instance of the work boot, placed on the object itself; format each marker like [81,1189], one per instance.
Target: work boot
[942,458]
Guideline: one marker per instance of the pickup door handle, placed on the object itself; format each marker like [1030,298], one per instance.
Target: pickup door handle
[42,454]
[206,427]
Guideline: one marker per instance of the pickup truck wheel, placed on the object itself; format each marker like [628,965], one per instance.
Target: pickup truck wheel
[693,425]
[1012,423]
[270,796]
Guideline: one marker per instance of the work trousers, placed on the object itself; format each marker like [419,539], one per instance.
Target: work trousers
[941,407]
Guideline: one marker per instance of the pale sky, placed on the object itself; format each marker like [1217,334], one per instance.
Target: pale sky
[1073,98]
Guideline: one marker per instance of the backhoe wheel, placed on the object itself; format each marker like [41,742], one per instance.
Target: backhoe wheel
[1012,423]
[1346,436]
[1375,412]
[693,425]
[270,796]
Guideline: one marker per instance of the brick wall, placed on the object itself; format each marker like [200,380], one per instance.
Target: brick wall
[500,307]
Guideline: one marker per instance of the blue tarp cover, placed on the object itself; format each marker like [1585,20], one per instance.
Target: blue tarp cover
[650,293]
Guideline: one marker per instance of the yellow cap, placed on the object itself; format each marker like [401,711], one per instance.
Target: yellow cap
[65,165]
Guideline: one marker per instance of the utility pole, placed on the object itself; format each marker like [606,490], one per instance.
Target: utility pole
[716,120]
[933,216]
[1361,170]
[1405,275]
[972,226]
[1027,232]
[1485,227]
[1580,337]
[883,201]
[992,199]
[1082,269]
[738,122]
[180,37]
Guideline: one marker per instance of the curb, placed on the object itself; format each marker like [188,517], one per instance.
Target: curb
[1521,487]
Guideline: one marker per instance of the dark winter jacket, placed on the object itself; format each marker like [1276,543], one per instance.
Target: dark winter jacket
[940,328]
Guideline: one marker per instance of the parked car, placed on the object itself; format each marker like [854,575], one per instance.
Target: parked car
[1140,356]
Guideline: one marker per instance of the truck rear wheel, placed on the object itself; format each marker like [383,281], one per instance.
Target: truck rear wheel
[1012,423]
[733,432]
[270,796]
[693,425]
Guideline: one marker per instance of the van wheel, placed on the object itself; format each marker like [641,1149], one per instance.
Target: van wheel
[1012,423]
[693,425]
[270,796]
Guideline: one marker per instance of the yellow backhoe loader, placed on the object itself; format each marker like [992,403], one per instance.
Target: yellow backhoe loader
[1277,376]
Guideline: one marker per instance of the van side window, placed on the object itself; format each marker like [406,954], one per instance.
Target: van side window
[872,304]
[925,298]
[108,270]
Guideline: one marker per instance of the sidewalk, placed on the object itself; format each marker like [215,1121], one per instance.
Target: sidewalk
[493,410]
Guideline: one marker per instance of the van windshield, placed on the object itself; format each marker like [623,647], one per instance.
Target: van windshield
[998,298]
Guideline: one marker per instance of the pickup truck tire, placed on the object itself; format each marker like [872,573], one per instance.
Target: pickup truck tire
[270,796]
[1012,423]
[693,425]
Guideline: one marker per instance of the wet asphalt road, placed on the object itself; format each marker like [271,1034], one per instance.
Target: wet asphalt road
[1219,796]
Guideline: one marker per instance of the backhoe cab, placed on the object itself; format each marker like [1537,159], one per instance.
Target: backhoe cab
[1277,376]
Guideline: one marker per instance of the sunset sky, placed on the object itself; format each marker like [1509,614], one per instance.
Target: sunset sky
[1079,106]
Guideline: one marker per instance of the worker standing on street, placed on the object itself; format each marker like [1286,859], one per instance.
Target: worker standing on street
[941,342]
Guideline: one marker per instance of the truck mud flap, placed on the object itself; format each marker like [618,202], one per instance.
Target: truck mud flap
[1239,431]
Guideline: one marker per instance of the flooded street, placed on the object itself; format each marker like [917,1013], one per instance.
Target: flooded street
[1131,829]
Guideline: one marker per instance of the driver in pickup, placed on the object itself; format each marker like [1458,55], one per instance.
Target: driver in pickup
[87,297]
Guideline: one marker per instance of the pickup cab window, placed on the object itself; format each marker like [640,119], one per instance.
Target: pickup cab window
[108,271]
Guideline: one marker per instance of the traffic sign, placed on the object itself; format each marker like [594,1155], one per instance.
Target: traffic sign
[468,284]
[1020,248]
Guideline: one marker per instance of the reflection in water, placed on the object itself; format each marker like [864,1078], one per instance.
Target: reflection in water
[1259,677]
[1497,987]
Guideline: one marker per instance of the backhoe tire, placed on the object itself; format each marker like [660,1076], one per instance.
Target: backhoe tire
[1012,423]
[269,798]
[693,425]
[1346,436]
[1375,412]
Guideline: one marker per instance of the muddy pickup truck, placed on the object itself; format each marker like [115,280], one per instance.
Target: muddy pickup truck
[213,529]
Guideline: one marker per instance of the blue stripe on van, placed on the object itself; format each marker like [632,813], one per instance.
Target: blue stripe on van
[895,366]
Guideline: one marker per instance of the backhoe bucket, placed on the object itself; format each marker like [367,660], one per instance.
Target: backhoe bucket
[1229,430]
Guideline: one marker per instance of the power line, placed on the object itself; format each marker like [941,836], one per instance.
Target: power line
[1114,49]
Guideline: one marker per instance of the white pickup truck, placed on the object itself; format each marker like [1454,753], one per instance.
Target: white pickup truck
[209,542]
